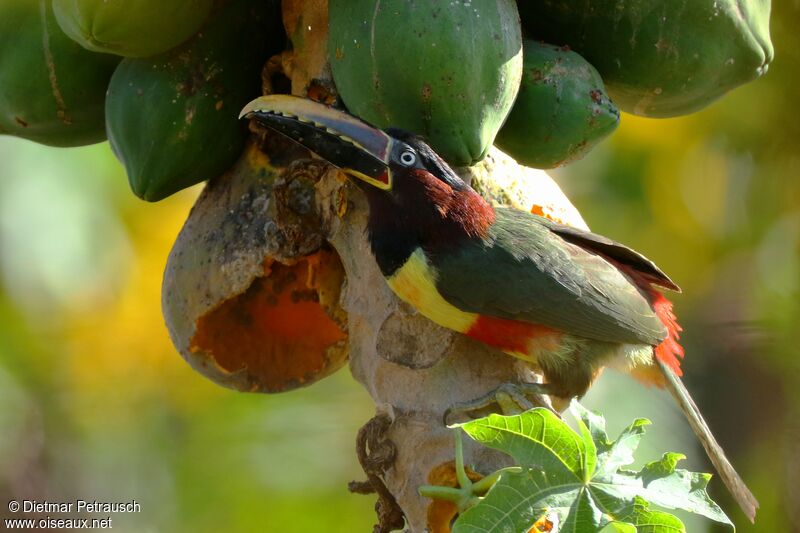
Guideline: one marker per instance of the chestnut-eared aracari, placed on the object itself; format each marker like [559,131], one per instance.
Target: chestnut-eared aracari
[568,301]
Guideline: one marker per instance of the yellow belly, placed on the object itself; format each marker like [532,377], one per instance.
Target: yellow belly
[415,283]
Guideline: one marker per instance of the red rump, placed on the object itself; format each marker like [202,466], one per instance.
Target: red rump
[669,351]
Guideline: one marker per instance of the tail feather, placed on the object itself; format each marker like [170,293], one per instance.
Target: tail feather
[729,476]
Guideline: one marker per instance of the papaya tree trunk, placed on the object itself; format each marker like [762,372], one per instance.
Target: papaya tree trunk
[413,369]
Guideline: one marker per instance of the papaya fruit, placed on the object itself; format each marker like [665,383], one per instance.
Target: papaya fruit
[660,58]
[447,72]
[52,91]
[131,28]
[562,110]
[172,119]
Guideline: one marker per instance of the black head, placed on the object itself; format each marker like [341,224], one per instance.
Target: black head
[413,146]
[415,198]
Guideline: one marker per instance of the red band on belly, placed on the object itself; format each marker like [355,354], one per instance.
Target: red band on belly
[513,336]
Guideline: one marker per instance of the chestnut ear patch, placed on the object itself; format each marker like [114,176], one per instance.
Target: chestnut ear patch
[283,331]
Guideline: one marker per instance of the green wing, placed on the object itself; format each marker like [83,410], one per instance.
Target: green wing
[524,270]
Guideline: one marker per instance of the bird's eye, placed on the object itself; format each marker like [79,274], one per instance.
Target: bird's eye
[408,158]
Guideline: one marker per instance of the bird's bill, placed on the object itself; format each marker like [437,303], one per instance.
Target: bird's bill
[354,146]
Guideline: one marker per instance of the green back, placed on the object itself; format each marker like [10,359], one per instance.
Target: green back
[525,271]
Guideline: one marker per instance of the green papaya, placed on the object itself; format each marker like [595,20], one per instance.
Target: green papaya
[131,28]
[447,71]
[562,110]
[660,58]
[52,91]
[172,119]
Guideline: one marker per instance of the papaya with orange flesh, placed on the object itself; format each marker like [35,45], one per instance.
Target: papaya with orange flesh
[251,293]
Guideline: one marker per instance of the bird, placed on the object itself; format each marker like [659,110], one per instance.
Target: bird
[568,301]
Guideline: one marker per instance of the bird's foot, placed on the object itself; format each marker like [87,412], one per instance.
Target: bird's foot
[508,399]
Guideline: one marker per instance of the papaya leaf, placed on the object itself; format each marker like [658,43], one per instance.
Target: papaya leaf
[646,520]
[535,438]
[577,477]
[596,424]
[619,527]
[519,499]
[611,455]
[661,484]
[590,457]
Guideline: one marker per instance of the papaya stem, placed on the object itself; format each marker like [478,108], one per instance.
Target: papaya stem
[461,474]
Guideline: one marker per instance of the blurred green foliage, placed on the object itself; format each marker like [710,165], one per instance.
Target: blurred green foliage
[95,402]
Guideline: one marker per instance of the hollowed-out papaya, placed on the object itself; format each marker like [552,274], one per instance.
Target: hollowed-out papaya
[173,118]
[131,28]
[255,310]
[446,70]
[660,58]
[51,90]
[562,110]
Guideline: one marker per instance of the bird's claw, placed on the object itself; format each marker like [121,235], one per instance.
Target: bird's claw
[508,399]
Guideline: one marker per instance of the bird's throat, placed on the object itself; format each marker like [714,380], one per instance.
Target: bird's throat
[422,212]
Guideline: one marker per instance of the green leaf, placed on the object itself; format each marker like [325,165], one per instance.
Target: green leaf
[596,424]
[647,520]
[620,453]
[619,527]
[590,457]
[671,489]
[642,519]
[663,467]
[577,478]
[519,499]
[610,454]
[536,438]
